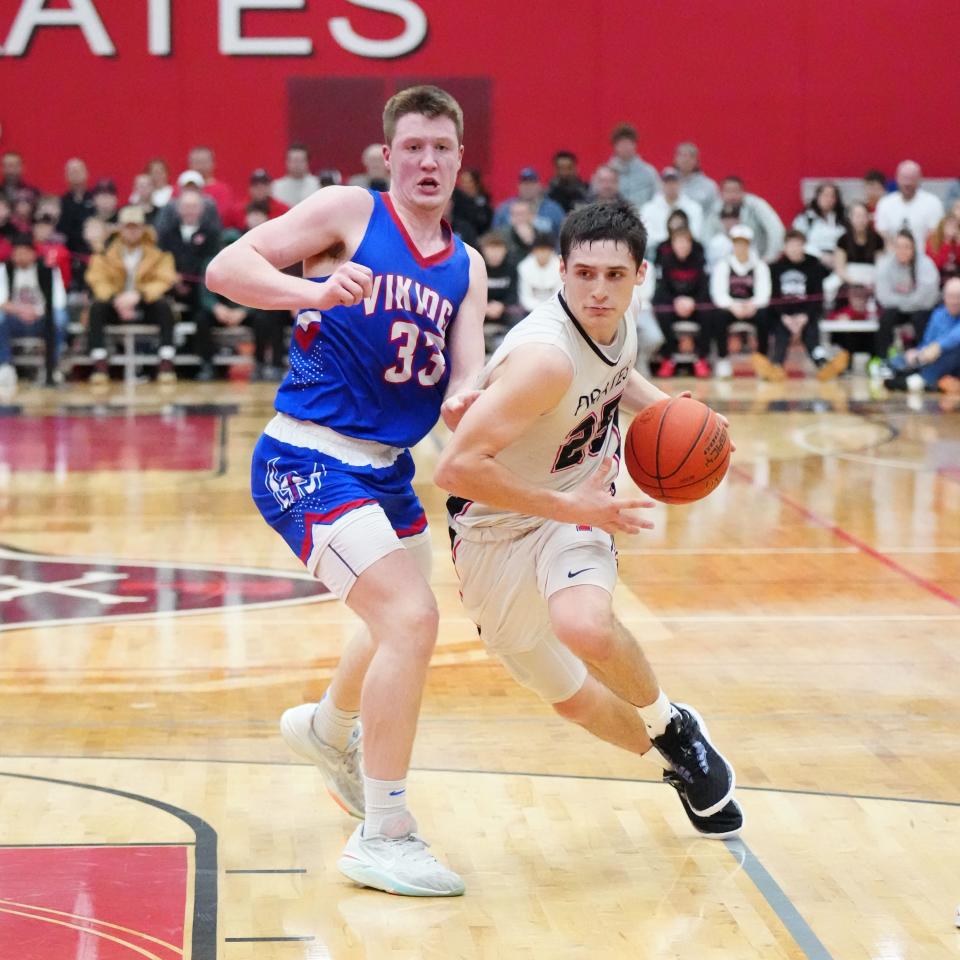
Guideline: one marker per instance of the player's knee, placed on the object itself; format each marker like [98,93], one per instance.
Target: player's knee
[414,625]
[589,633]
[575,708]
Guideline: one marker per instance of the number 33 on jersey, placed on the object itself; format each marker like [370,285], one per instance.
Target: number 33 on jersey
[378,370]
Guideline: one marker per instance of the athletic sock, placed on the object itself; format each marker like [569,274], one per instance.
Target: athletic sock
[333,725]
[657,715]
[385,806]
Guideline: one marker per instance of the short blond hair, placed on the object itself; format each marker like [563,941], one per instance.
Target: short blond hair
[428,100]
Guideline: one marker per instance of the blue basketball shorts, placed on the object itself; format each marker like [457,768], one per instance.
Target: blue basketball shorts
[340,504]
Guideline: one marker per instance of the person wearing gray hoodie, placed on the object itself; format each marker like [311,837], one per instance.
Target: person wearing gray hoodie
[907,288]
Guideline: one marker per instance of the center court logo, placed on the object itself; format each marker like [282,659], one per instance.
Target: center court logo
[288,488]
[38,590]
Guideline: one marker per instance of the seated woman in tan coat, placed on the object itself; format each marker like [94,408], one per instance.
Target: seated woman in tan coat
[133,274]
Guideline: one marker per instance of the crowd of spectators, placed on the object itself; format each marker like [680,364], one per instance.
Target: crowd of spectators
[721,259]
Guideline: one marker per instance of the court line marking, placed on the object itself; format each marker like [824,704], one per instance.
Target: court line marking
[842,534]
[268,939]
[764,551]
[778,901]
[103,923]
[798,436]
[287,870]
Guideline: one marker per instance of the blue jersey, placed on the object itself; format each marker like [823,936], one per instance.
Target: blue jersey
[378,370]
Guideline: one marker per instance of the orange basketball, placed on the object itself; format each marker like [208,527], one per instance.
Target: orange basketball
[677,450]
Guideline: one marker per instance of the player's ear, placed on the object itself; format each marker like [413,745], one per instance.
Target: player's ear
[641,272]
[563,269]
[386,154]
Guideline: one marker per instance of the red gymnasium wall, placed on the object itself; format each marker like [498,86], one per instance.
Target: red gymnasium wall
[774,91]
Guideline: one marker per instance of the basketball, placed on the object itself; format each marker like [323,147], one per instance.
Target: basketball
[677,450]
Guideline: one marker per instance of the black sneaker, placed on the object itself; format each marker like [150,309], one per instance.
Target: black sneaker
[708,779]
[722,825]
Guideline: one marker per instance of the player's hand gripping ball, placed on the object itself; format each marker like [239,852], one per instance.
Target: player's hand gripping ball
[677,450]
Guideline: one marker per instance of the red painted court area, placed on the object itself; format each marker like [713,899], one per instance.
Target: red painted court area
[112,903]
[87,443]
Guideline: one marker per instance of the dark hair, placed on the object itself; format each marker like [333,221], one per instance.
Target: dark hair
[838,210]
[428,100]
[22,240]
[624,131]
[564,155]
[875,176]
[543,239]
[904,232]
[678,214]
[794,235]
[608,220]
[302,147]
[733,178]
[258,206]
[492,238]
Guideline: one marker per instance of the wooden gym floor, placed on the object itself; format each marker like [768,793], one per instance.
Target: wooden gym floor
[153,628]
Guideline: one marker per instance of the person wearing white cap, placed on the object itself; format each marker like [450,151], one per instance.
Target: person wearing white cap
[740,289]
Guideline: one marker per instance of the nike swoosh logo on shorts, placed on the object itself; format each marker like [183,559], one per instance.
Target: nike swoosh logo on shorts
[576,573]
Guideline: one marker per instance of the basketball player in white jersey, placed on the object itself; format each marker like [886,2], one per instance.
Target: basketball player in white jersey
[530,467]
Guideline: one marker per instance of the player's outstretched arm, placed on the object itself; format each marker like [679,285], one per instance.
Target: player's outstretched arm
[249,270]
[466,345]
[530,383]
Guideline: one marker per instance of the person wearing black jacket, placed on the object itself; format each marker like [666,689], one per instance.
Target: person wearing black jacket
[683,287]
[796,306]
[76,205]
[193,247]
[566,187]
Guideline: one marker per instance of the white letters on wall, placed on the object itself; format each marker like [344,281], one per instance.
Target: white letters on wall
[414,30]
[158,36]
[233,43]
[81,13]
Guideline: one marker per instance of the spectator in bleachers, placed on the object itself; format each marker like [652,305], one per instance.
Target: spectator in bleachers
[299,182]
[538,273]
[96,235]
[6,230]
[260,193]
[823,222]
[907,287]
[13,182]
[657,211]
[935,361]
[141,195]
[943,247]
[105,203]
[471,201]
[131,275]
[797,292]
[166,218]
[502,306]
[463,228]
[874,190]
[910,207]
[755,213]
[683,293]
[51,248]
[203,160]
[268,326]
[740,289]
[159,174]
[720,246]
[24,207]
[694,183]
[859,243]
[375,174]
[638,179]
[522,231]
[33,303]
[566,189]
[547,215]
[76,205]
[329,177]
[953,195]
[193,246]
[605,184]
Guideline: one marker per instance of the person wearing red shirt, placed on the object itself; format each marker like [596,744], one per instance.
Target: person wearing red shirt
[943,248]
[260,183]
[49,244]
[202,160]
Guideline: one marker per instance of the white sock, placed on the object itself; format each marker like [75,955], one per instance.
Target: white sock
[333,725]
[385,806]
[657,715]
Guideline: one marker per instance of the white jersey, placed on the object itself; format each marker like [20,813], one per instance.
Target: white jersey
[568,443]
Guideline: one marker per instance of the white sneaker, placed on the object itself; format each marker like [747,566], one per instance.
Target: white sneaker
[916,383]
[8,376]
[723,369]
[340,768]
[403,866]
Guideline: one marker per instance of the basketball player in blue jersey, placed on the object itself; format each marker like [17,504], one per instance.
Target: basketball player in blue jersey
[389,336]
